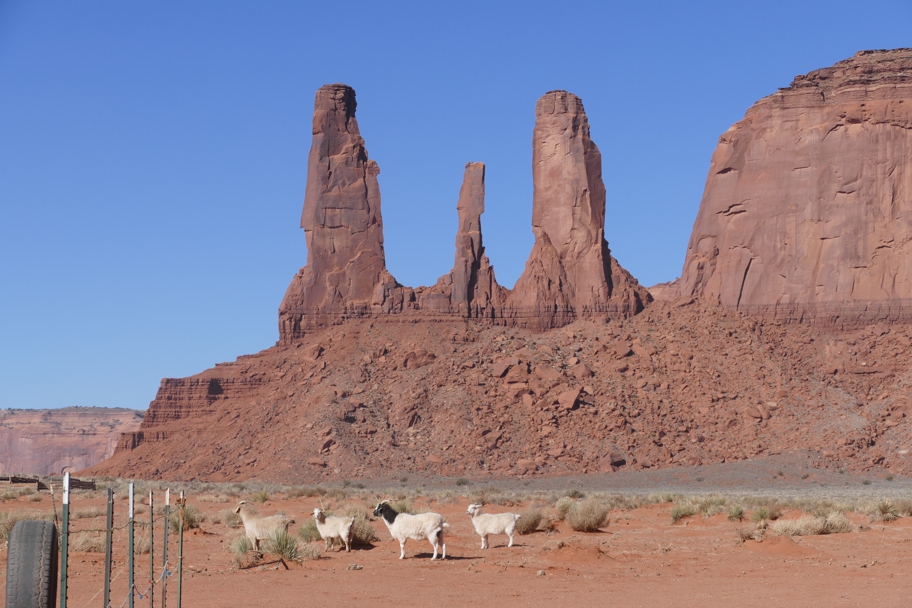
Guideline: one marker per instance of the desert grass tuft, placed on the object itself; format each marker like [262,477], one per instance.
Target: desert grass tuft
[192,518]
[283,544]
[736,513]
[261,496]
[884,510]
[679,512]
[766,513]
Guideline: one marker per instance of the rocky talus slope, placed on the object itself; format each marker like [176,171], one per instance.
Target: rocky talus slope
[807,212]
[679,384]
[44,442]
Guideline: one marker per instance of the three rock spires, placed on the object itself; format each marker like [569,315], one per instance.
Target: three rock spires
[570,273]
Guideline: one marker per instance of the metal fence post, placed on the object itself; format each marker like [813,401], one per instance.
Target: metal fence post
[109,533]
[151,552]
[130,581]
[165,550]
[64,540]
[180,551]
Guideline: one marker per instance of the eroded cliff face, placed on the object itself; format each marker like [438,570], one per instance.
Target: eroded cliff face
[45,442]
[807,208]
[570,273]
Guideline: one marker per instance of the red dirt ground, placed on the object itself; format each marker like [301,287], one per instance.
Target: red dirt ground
[639,559]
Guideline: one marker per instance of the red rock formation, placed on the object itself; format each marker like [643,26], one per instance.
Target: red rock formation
[45,442]
[470,289]
[807,212]
[346,271]
[570,273]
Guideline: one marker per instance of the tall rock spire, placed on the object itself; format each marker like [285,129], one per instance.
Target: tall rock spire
[341,221]
[470,289]
[570,272]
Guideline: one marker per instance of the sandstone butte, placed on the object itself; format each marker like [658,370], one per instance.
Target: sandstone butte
[804,218]
[45,442]
[569,275]
[807,211]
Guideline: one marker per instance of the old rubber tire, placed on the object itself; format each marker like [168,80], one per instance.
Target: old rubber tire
[31,567]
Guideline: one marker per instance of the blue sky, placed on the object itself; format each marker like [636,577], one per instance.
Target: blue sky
[153,155]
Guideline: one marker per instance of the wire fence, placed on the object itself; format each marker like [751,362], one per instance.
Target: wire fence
[158,577]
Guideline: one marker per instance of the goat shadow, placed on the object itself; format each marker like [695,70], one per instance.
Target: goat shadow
[454,558]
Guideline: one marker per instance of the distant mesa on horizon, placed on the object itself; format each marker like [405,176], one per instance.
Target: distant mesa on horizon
[50,441]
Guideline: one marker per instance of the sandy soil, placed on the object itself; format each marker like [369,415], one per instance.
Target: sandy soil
[639,559]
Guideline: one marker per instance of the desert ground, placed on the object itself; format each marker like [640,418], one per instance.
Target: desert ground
[639,556]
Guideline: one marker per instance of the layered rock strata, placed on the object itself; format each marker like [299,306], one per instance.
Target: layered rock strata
[807,211]
[570,273]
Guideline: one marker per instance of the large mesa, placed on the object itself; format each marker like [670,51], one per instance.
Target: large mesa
[807,211]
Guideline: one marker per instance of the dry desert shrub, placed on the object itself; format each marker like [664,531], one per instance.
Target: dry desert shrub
[88,542]
[141,544]
[308,531]
[218,498]
[709,505]
[261,496]
[362,532]
[811,525]
[528,521]
[563,507]
[35,498]
[587,515]
[229,518]
[8,519]
[903,507]
[745,534]
[736,513]
[305,492]
[87,513]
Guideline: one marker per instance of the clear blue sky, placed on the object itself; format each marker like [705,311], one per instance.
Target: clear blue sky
[153,154]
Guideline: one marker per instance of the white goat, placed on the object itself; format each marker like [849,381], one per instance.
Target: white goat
[403,526]
[491,523]
[331,528]
[259,528]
